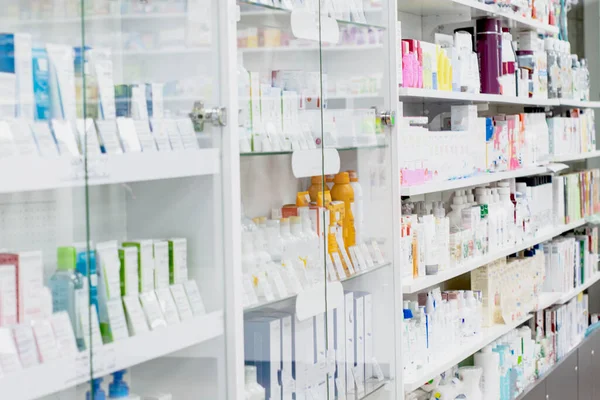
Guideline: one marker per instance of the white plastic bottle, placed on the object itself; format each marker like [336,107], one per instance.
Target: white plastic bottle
[291,253]
[312,272]
[455,216]
[509,209]
[358,210]
[313,242]
[489,361]
[253,390]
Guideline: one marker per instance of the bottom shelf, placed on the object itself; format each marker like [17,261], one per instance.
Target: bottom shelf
[418,378]
[66,373]
[546,374]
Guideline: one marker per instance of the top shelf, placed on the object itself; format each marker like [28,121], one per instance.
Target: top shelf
[474,9]
[261,11]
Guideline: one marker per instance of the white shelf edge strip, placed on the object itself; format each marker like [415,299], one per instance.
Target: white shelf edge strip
[412,285]
[574,292]
[546,299]
[285,49]
[433,187]
[409,92]
[62,374]
[37,173]
[574,157]
[463,351]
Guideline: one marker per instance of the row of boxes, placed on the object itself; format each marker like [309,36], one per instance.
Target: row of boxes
[331,352]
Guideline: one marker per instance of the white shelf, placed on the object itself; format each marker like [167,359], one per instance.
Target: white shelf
[565,297]
[481,179]
[66,373]
[35,173]
[575,157]
[163,51]
[579,103]
[354,96]
[418,378]
[472,8]
[421,95]
[517,19]
[545,300]
[322,288]
[413,285]
[113,18]
[288,49]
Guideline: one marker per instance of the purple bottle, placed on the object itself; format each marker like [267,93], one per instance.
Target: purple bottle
[489,53]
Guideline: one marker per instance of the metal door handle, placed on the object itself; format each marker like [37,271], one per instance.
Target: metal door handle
[200,116]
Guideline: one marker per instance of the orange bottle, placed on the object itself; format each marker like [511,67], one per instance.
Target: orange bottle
[316,186]
[342,191]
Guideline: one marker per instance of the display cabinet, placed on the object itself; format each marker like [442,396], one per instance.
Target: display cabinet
[118,187]
[322,319]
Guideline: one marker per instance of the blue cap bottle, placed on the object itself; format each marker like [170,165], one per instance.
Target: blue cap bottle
[96,390]
[118,388]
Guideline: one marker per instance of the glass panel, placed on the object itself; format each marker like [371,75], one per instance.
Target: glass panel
[284,225]
[45,339]
[152,83]
[355,81]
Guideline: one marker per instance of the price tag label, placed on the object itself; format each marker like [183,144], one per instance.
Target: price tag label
[339,267]
[261,283]
[377,254]
[278,283]
[367,255]
[358,381]
[331,271]
[249,291]
[377,372]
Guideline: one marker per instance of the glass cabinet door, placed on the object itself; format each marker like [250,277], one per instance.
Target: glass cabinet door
[156,86]
[116,191]
[316,175]
[45,340]
[283,225]
[357,117]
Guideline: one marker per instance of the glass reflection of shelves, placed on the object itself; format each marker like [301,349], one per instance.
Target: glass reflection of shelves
[293,296]
[276,153]
[273,11]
